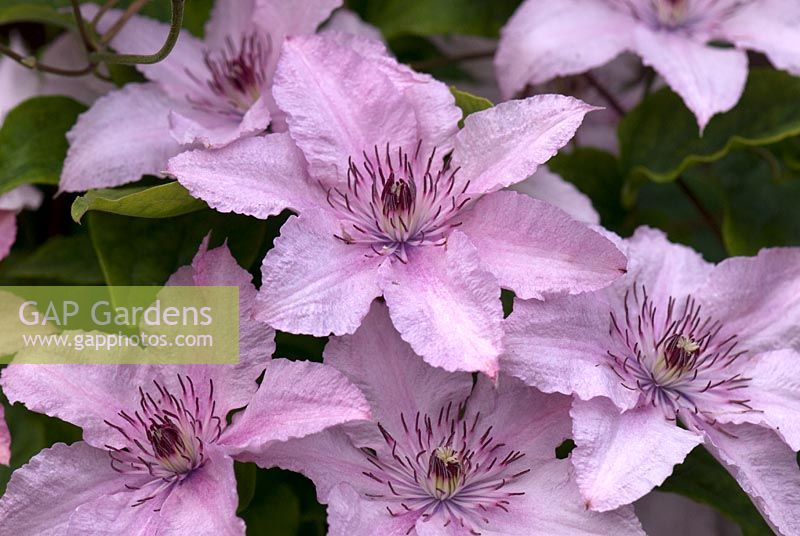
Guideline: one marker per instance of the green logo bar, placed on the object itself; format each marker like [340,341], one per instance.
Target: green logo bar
[119,325]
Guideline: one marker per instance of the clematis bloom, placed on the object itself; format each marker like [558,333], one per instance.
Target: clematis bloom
[205,93]
[156,456]
[441,458]
[676,339]
[544,40]
[394,200]
[10,204]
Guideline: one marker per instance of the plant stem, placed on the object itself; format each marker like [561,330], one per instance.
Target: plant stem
[605,93]
[32,63]
[88,43]
[133,9]
[139,59]
[704,212]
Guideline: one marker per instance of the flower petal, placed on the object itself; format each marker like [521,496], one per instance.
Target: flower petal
[508,142]
[258,177]
[295,399]
[774,392]
[112,145]
[544,40]
[551,506]
[230,19]
[212,129]
[535,248]
[769,26]
[22,197]
[339,105]
[67,52]
[393,378]
[621,457]
[349,514]
[17,83]
[43,494]
[313,283]
[447,306]
[765,468]
[205,502]
[8,231]
[5,439]
[756,298]
[348,22]
[546,186]
[710,80]
[234,385]
[84,395]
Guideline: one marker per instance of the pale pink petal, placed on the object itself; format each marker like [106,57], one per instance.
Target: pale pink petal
[314,283]
[329,458]
[84,395]
[230,19]
[560,346]
[664,268]
[765,468]
[339,105]
[295,399]
[112,145]
[667,514]
[8,231]
[212,129]
[533,422]
[710,80]
[393,378]
[756,298]
[535,248]
[42,496]
[288,17]
[345,21]
[549,187]
[205,502]
[551,506]
[142,35]
[67,52]
[544,40]
[5,439]
[17,83]
[621,457]
[350,514]
[774,393]
[234,385]
[508,142]
[446,305]
[769,26]
[22,197]
[259,177]
[113,514]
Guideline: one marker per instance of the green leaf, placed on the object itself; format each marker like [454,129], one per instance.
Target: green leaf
[596,173]
[62,259]
[760,206]
[660,139]
[469,103]
[41,11]
[32,141]
[137,251]
[162,201]
[702,479]
[432,17]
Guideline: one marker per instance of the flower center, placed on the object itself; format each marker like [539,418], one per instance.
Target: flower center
[671,12]
[395,201]
[676,357]
[444,468]
[166,436]
[236,75]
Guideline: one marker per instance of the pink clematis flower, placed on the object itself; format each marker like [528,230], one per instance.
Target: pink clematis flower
[441,458]
[156,456]
[394,200]
[676,339]
[10,204]
[544,40]
[205,93]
